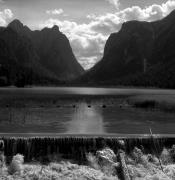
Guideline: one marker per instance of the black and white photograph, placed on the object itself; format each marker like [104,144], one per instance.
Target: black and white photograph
[87,89]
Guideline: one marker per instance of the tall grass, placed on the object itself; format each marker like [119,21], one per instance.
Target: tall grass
[146,166]
[141,166]
[63,170]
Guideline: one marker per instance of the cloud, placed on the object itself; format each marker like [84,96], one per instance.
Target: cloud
[4,16]
[88,39]
[115,3]
[8,13]
[55,12]
[150,13]
[106,24]
[86,43]
[88,62]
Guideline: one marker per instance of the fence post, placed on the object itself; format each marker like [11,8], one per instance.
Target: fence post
[2,158]
[125,172]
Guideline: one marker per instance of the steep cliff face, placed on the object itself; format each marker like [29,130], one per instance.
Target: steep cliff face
[126,51]
[35,57]
[137,48]
[55,53]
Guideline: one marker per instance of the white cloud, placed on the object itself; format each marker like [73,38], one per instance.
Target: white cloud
[8,13]
[150,13]
[88,62]
[4,16]
[115,3]
[55,12]
[88,39]
[86,43]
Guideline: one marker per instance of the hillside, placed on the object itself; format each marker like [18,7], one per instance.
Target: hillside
[35,57]
[140,54]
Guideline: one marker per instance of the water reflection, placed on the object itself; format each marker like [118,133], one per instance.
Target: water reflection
[84,117]
[86,120]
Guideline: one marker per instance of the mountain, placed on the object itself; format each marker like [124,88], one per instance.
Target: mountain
[35,57]
[139,54]
[53,46]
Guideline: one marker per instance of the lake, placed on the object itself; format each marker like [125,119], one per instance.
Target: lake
[90,111]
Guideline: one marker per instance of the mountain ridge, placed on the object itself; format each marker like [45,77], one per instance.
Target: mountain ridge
[137,48]
[45,53]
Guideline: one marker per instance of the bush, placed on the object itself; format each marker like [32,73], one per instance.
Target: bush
[16,165]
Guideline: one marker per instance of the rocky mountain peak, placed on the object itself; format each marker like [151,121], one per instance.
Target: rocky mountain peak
[55,28]
[16,24]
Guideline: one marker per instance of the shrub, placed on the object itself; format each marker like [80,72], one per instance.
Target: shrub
[16,165]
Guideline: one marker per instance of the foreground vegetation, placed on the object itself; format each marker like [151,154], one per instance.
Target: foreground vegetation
[63,170]
[55,171]
[102,165]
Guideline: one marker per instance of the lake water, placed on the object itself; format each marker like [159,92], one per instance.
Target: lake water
[80,111]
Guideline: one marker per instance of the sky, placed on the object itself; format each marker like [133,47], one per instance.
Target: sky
[87,23]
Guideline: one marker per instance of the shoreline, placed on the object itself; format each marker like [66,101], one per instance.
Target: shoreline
[85,136]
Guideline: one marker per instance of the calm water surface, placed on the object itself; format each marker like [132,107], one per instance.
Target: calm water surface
[42,110]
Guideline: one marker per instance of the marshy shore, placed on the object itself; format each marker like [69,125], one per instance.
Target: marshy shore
[90,158]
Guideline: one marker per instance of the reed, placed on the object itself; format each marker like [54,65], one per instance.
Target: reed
[76,148]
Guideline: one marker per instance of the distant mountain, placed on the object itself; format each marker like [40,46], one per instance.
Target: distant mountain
[35,57]
[141,53]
